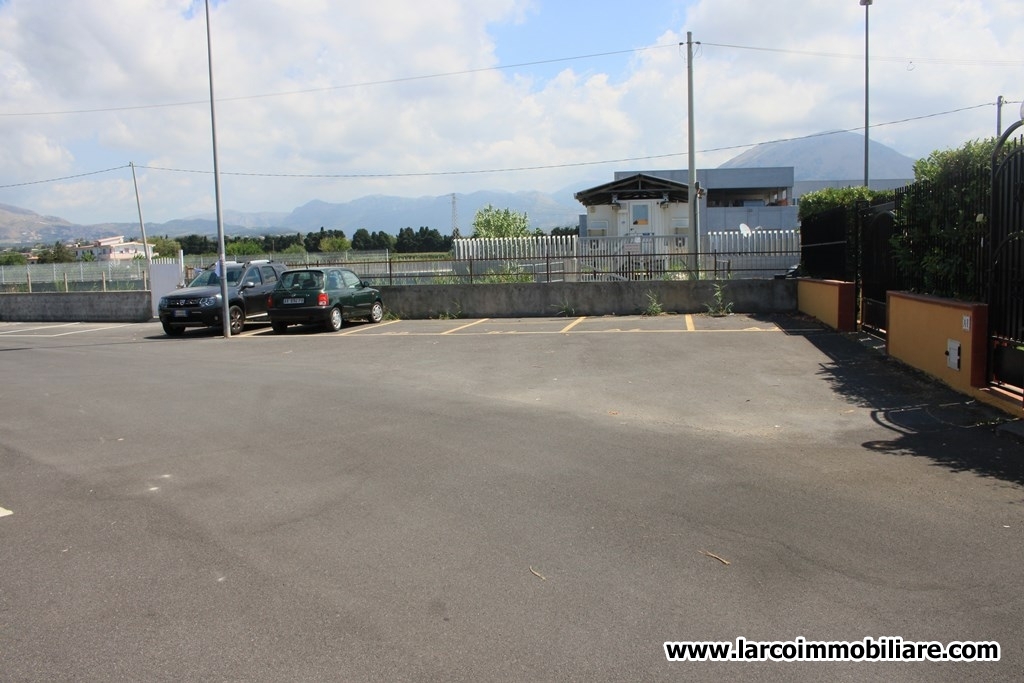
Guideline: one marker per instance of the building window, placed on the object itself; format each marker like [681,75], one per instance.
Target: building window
[641,214]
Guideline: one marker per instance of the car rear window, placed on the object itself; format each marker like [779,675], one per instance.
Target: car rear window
[303,279]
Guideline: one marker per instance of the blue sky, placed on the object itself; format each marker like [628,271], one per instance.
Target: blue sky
[567,28]
[334,101]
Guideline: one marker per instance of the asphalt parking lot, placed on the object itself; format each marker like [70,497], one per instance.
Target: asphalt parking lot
[513,499]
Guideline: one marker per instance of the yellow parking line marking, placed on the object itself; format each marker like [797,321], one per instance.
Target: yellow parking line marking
[527,333]
[4,512]
[689,323]
[574,323]
[456,329]
[367,327]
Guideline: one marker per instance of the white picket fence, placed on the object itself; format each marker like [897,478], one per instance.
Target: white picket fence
[753,242]
[537,246]
[729,253]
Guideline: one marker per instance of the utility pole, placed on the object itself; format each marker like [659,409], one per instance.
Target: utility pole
[691,193]
[999,115]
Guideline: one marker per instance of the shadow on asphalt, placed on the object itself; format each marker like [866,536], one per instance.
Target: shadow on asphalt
[927,419]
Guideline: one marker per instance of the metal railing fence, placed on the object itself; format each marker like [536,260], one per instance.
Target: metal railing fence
[80,276]
[723,255]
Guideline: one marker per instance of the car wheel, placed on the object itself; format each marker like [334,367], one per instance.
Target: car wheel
[237,317]
[173,330]
[376,312]
[279,327]
[334,321]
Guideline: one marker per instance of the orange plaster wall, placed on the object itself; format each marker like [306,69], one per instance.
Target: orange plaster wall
[919,328]
[830,301]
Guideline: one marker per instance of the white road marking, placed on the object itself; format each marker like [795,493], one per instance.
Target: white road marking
[21,331]
[4,512]
[18,330]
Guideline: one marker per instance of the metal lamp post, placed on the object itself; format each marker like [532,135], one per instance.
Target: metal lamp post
[866,4]
[222,272]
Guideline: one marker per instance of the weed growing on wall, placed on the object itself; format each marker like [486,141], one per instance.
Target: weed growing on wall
[654,306]
[719,306]
[564,308]
[451,314]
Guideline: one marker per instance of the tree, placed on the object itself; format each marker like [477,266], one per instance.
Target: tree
[313,240]
[334,244]
[243,247]
[361,240]
[12,258]
[383,241]
[567,230]
[273,244]
[945,164]
[941,220]
[58,253]
[162,246]
[407,241]
[430,240]
[492,222]
[834,197]
[196,245]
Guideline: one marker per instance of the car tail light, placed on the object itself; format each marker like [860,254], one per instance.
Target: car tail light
[270,300]
[321,299]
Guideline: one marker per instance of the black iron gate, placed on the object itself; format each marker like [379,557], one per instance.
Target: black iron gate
[827,245]
[1006,266]
[878,272]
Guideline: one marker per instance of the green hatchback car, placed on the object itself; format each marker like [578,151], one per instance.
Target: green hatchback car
[327,296]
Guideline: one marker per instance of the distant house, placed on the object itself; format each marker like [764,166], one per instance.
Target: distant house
[112,249]
[637,204]
[655,203]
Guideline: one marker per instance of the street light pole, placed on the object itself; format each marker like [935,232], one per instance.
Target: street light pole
[866,4]
[142,223]
[222,271]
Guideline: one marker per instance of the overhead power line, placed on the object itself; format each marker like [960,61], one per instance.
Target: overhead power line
[860,57]
[347,86]
[513,169]
[505,67]
[68,177]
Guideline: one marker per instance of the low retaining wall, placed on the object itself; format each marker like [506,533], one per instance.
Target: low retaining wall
[472,301]
[830,301]
[92,307]
[944,338]
[586,298]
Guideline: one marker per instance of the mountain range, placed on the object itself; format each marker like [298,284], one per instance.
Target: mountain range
[835,157]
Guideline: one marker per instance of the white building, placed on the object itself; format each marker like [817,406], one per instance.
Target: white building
[637,204]
[654,203]
[113,249]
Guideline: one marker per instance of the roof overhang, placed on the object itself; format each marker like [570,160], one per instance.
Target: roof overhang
[635,187]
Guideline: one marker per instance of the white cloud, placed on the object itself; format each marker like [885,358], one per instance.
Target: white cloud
[367,94]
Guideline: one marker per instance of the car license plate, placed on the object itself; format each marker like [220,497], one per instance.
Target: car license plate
[294,301]
[180,314]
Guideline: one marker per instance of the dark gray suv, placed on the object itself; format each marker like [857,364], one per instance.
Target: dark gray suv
[199,304]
